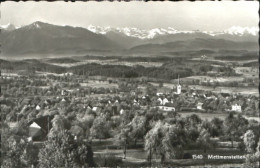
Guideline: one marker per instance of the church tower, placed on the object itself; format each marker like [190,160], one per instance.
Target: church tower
[178,86]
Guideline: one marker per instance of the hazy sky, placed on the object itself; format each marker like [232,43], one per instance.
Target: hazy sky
[179,15]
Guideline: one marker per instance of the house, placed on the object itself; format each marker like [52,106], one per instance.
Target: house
[121,111]
[94,108]
[199,106]
[47,102]
[64,92]
[236,107]
[39,128]
[38,107]
[160,100]
[136,103]
[166,108]
[89,106]
[164,101]
[159,94]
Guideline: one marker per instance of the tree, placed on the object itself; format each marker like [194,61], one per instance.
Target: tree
[30,154]
[253,157]
[216,128]
[99,128]
[235,127]
[192,125]
[163,140]
[138,128]
[249,141]
[204,140]
[61,150]
[12,152]
[59,123]
[123,138]
[13,146]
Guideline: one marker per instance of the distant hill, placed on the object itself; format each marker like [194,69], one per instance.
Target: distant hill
[43,38]
[124,40]
[195,45]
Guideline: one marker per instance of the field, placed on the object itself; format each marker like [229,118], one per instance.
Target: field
[218,89]
[247,71]
[210,116]
[99,84]
[214,79]
[109,62]
[138,156]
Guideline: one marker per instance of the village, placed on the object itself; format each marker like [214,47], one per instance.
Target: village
[129,84]
[102,110]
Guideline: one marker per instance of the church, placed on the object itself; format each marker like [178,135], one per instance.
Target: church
[178,91]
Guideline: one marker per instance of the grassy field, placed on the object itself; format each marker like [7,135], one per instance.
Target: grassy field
[247,71]
[109,62]
[210,116]
[138,157]
[99,84]
[213,79]
[205,116]
[242,90]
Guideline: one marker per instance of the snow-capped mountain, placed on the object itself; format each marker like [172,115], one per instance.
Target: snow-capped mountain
[8,27]
[45,38]
[152,33]
[135,32]
[237,30]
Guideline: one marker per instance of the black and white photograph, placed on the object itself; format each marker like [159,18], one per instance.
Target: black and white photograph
[129,84]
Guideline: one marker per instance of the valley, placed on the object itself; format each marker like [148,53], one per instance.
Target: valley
[129,97]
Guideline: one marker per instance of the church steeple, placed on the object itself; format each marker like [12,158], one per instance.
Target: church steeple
[178,80]
[178,86]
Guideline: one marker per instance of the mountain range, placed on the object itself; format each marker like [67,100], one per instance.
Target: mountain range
[43,38]
[151,33]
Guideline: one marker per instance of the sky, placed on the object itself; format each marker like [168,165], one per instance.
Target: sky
[207,16]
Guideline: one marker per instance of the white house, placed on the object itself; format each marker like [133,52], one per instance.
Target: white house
[159,94]
[236,108]
[199,106]
[34,129]
[38,107]
[166,108]
[164,101]
[136,103]
[160,100]
[121,111]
